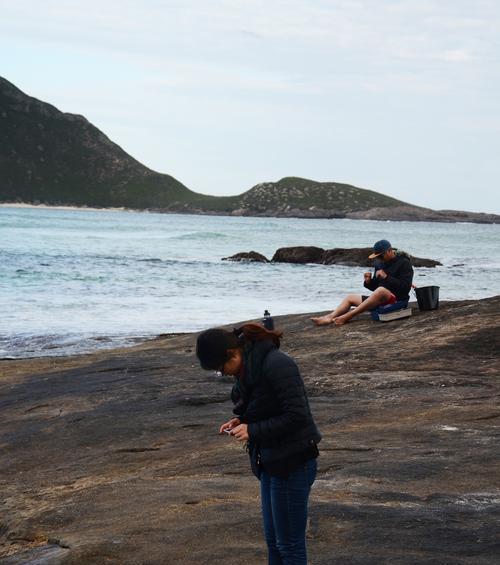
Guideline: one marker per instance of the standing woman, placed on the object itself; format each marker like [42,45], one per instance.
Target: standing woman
[272,415]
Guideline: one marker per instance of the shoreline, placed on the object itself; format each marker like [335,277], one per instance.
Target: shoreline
[481,218]
[28,206]
[109,343]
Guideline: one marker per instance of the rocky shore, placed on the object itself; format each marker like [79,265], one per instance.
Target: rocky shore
[114,457]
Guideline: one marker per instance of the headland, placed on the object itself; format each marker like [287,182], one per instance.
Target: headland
[53,158]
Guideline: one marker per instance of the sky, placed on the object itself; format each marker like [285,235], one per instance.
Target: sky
[397,96]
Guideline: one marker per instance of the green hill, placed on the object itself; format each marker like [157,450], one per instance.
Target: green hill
[55,158]
[51,157]
[293,194]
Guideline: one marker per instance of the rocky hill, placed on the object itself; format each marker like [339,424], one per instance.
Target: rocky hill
[411,213]
[56,158]
[51,157]
[293,196]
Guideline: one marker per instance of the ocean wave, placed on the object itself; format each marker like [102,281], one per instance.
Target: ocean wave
[23,346]
[202,235]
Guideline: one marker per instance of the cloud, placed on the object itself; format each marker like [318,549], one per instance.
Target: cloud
[230,77]
[360,32]
[456,56]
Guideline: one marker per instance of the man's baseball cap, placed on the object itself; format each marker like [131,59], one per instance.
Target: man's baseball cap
[380,248]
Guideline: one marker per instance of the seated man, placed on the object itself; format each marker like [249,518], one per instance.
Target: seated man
[391,282]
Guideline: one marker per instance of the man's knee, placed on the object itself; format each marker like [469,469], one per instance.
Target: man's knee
[354,299]
[383,292]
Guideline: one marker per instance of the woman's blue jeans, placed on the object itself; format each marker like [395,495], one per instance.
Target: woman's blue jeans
[284,509]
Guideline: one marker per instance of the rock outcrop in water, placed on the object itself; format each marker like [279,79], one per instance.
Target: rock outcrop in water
[115,458]
[353,257]
[299,254]
[248,256]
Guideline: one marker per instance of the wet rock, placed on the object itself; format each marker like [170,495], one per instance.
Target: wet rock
[300,254]
[421,262]
[349,257]
[250,256]
[358,257]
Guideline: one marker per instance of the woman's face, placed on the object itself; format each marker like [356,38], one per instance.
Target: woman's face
[234,361]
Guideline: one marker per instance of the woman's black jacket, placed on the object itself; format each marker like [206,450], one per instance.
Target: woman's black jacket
[270,397]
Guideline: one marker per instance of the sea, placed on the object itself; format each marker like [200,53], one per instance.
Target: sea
[76,280]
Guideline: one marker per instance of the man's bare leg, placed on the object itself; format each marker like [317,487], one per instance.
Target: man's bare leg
[342,308]
[379,296]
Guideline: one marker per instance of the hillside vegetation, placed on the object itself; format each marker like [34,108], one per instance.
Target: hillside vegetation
[51,157]
[294,194]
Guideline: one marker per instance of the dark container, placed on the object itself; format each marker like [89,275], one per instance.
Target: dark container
[267,321]
[427,297]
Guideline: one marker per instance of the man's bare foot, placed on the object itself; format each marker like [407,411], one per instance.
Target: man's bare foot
[341,320]
[322,320]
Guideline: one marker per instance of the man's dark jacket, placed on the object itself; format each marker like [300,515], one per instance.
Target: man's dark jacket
[272,400]
[399,277]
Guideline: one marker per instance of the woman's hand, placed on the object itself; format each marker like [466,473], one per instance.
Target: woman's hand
[233,422]
[240,432]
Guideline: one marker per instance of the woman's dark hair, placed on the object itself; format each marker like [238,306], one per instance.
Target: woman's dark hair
[212,345]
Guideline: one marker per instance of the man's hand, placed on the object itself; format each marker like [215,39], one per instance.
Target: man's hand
[240,432]
[381,274]
[233,422]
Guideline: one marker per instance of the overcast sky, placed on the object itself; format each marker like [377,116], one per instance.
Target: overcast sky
[399,96]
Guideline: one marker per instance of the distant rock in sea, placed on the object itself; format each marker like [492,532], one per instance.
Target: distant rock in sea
[354,257]
[250,257]
[299,254]
[359,257]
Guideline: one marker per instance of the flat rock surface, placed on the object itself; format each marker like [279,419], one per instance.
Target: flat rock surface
[114,457]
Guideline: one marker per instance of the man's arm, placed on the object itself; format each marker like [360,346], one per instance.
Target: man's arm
[371,283]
